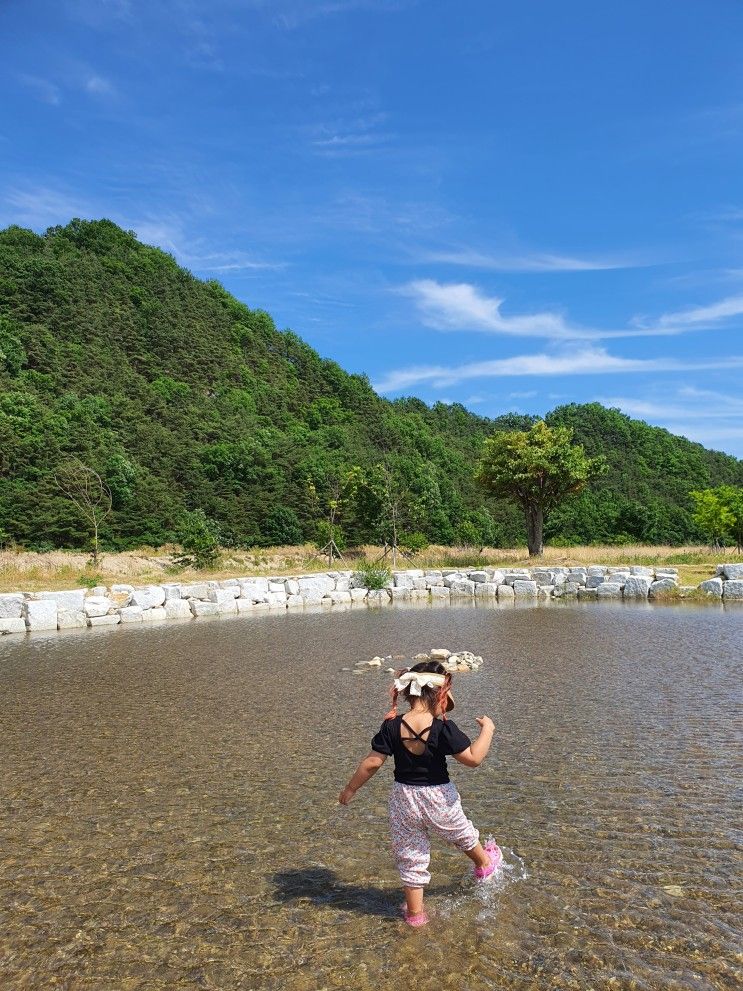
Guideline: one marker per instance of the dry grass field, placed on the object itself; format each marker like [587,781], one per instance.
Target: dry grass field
[32,572]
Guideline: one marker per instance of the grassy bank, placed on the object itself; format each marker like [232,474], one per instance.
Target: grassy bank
[28,571]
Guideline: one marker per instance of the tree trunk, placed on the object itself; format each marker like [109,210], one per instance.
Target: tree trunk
[534,530]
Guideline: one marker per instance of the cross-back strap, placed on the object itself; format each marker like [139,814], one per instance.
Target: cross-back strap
[418,736]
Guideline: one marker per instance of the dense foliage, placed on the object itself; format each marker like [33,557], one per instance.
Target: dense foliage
[644,493]
[537,469]
[184,399]
[199,540]
[719,514]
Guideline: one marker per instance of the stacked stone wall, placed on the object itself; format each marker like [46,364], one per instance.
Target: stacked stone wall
[30,612]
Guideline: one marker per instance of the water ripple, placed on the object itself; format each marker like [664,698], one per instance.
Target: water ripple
[168,814]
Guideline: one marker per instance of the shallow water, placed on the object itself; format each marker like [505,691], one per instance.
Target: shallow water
[169,816]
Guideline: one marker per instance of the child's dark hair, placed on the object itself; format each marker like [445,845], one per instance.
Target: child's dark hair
[434,698]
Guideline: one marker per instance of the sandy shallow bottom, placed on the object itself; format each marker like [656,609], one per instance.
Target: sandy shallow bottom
[169,815]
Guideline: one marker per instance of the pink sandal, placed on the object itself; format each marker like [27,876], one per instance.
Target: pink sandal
[416,919]
[496,859]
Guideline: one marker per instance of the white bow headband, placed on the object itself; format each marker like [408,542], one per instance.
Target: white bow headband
[417,680]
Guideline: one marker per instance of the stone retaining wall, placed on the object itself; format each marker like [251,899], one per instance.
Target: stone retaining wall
[22,612]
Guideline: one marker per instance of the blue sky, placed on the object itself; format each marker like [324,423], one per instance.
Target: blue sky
[506,205]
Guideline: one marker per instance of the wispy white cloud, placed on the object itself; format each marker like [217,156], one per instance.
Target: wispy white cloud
[649,410]
[322,299]
[685,402]
[707,416]
[579,361]
[212,263]
[79,79]
[43,89]
[535,262]
[732,402]
[726,215]
[696,316]
[710,437]
[120,8]
[704,277]
[98,12]
[99,85]
[194,253]
[460,306]
[42,206]
[293,14]
[236,262]
[352,136]
[193,27]
[377,216]
[336,142]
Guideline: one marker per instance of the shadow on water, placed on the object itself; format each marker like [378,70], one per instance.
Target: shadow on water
[322,886]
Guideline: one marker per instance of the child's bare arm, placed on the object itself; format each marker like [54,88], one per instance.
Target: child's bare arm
[474,755]
[366,769]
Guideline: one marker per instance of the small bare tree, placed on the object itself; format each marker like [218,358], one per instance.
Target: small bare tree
[396,504]
[333,510]
[339,491]
[85,488]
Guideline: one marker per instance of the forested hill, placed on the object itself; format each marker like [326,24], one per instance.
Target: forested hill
[182,398]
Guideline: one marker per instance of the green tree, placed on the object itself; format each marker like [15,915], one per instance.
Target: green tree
[12,353]
[324,534]
[719,513]
[711,515]
[537,469]
[281,526]
[468,534]
[732,498]
[414,542]
[336,500]
[392,501]
[199,540]
[478,529]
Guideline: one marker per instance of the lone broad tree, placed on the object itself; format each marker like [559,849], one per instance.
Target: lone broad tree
[535,468]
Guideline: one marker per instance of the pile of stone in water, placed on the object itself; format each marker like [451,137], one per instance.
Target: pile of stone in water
[460,660]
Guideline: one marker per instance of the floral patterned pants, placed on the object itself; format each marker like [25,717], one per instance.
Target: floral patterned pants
[416,811]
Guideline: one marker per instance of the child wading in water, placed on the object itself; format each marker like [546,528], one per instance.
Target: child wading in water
[423,800]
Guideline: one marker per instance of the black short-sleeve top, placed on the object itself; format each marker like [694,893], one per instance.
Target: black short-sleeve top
[428,768]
